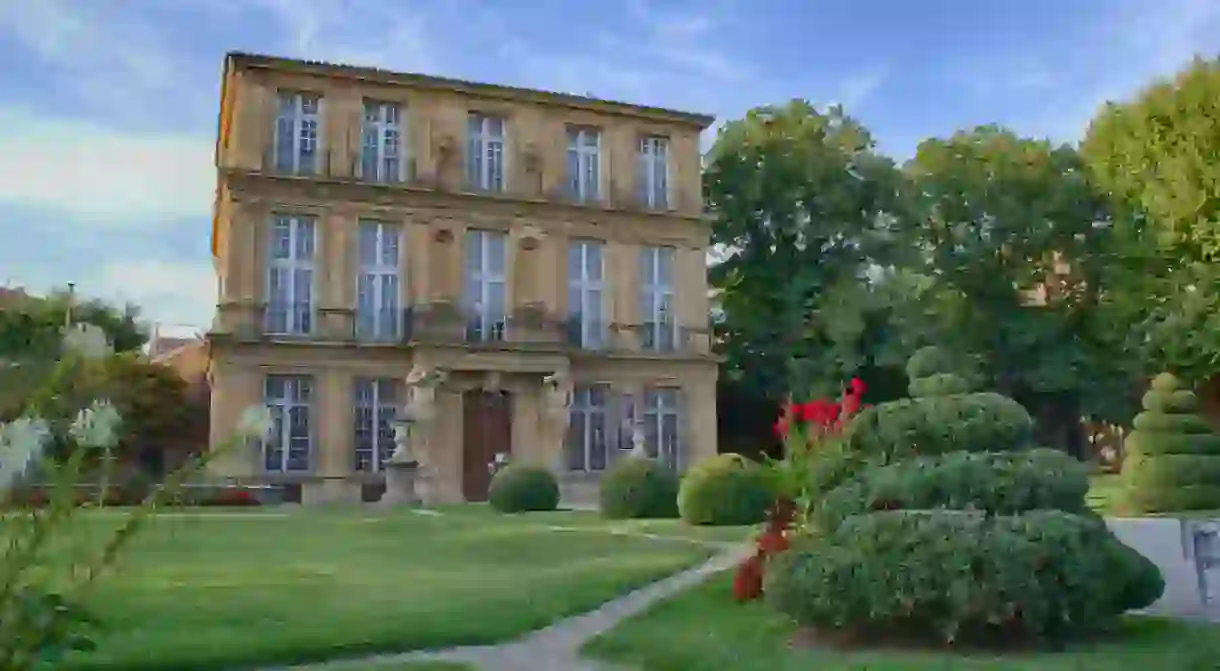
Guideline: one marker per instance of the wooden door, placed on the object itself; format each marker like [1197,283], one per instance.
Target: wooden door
[487,429]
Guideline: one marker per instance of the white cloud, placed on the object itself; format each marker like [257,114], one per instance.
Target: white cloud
[179,296]
[98,175]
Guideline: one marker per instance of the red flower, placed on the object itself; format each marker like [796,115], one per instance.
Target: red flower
[857,387]
[781,427]
[748,583]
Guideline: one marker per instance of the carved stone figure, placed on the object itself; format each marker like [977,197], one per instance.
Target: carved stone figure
[421,393]
[557,399]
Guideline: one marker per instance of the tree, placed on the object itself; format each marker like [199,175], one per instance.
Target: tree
[34,325]
[803,206]
[1155,156]
[150,397]
[1008,231]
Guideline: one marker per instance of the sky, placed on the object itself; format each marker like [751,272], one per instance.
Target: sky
[108,107]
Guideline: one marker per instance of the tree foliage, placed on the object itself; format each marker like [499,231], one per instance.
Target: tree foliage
[34,326]
[1155,157]
[801,200]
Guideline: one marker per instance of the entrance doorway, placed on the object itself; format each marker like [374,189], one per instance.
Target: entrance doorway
[487,429]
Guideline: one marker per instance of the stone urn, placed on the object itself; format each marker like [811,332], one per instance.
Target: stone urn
[401,469]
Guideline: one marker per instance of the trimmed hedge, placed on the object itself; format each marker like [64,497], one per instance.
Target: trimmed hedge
[726,490]
[519,488]
[962,576]
[932,425]
[1173,457]
[1000,483]
[637,488]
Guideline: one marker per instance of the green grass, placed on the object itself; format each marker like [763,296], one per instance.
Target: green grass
[219,589]
[705,630]
[669,528]
[402,666]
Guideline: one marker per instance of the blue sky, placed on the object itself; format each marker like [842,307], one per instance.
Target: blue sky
[107,109]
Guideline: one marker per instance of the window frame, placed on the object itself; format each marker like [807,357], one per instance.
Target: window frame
[482,325]
[298,118]
[376,272]
[592,333]
[657,292]
[382,398]
[581,443]
[585,186]
[654,150]
[298,394]
[382,126]
[481,178]
[297,322]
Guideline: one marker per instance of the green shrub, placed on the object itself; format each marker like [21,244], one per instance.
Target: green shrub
[980,422]
[1173,457]
[998,482]
[727,489]
[519,488]
[637,488]
[961,576]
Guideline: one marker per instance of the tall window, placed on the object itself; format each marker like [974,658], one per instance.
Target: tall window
[290,274]
[376,404]
[654,172]
[483,293]
[587,431]
[586,301]
[378,316]
[584,164]
[661,415]
[296,133]
[485,152]
[660,326]
[382,157]
[288,446]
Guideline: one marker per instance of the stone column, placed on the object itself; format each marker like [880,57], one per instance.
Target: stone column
[333,459]
[235,387]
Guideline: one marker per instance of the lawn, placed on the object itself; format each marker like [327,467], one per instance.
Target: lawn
[705,630]
[210,590]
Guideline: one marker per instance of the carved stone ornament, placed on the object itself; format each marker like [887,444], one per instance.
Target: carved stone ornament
[421,392]
[532,158]
[443,236]
[557,398]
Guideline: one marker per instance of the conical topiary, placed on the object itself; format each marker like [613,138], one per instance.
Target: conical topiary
[1172,458]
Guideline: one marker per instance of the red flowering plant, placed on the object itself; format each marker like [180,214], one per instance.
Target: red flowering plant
[806,428]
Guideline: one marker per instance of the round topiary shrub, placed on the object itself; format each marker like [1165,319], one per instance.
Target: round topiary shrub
[636,488]
[1002,483]
[1172,458]
[726,490]
[518,488]
[961,576]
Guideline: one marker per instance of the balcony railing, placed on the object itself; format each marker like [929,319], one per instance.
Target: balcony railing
[446,323]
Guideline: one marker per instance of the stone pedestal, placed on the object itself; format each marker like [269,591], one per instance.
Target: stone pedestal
[400,483]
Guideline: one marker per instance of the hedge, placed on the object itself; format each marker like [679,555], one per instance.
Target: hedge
[639,488]
[726,490]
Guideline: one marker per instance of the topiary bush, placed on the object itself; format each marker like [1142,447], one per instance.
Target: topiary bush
[962,576]
[726,490]
[519,488]
[1172,458]
[1003,483]
[945,522]
[636,488]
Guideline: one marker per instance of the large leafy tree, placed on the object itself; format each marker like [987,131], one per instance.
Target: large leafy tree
[803,208]
[1156,157]
[34,324]
[1008,231]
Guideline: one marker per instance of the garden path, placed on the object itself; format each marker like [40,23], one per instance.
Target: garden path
[1160,539]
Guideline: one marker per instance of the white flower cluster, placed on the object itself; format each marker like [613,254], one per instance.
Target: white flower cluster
[96,426]
[21,443]
[255,422]
[87,341]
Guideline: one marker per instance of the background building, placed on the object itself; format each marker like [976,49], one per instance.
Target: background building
[369,224]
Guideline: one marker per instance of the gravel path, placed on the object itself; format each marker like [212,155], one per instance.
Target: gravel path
[1160,539]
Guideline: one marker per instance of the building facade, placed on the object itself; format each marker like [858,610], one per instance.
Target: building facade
[532,264]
